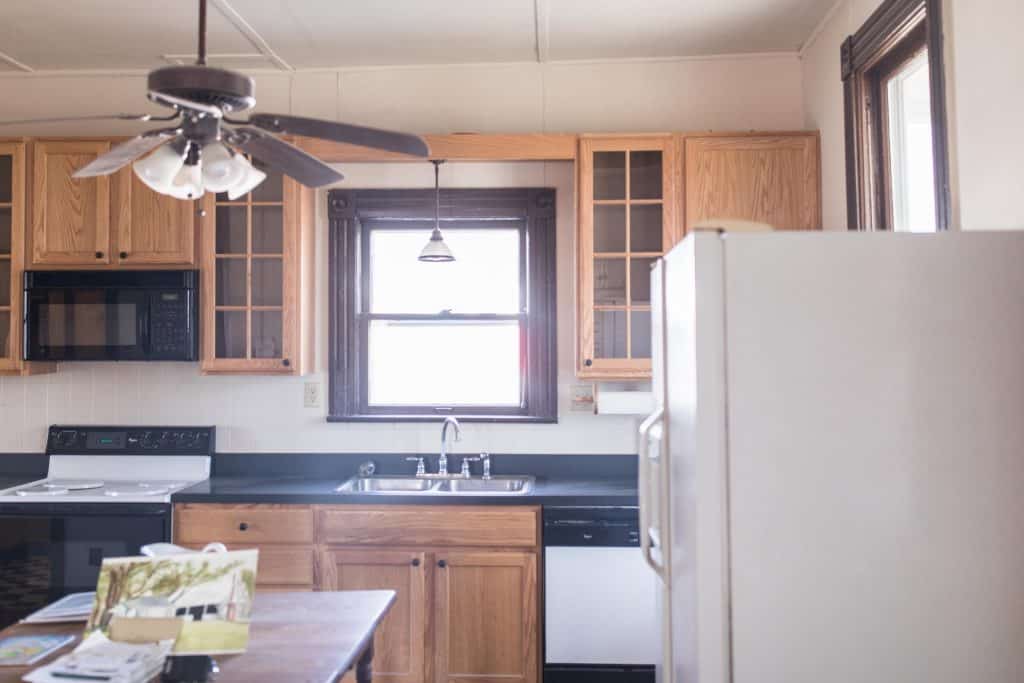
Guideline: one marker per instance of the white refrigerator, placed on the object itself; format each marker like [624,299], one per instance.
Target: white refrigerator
[832,483]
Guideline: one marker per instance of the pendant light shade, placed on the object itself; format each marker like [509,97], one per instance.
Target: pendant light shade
[158,169]
[436,251]
[222,169]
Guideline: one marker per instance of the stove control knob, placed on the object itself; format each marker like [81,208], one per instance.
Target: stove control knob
[148,440]
[66,438]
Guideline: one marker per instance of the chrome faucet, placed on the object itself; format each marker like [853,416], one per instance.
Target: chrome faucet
[442,463]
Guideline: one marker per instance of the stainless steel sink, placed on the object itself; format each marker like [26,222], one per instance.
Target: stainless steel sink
[418,486]
[400,485]
[494,485]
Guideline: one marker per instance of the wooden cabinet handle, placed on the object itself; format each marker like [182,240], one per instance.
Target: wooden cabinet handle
[588,362]
[99,254]
[123,254]
[442,564]
[286,363]
[416,562]
[244,526]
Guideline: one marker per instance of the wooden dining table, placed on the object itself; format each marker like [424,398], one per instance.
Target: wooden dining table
[294,637]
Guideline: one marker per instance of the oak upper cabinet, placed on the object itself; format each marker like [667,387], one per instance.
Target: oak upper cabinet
[486,628]
[400,641]
[627,219]
[12,215]
[150,229]
[256,262]
[70,218]
[768,178]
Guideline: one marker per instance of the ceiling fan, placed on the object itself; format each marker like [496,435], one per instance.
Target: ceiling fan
[204,148]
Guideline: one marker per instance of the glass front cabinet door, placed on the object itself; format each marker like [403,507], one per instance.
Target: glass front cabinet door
[627,219]
[12,230]
[257,278]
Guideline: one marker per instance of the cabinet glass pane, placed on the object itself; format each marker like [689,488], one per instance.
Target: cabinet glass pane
[231,282]
[271,189]
[609,175]
[640,280]
[609,228]
[230,334]
[267,283]
[641,334]
[266,334]
[267,230]
[5,334]
[610,334]
[5,231]
[231,230]
[645,227]
[610,282]
[6,178]
[645,175]
[5,283]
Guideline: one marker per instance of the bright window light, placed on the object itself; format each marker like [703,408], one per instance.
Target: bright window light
[910,148]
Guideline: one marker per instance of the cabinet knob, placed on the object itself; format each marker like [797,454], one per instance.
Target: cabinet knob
[202,213]
[99,254]
[244,526]
[416,562]
[287,363]
[123,254]
[588,362]
[442,564]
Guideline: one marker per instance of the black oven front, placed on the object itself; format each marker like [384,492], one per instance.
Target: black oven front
[48,550]
[129,315]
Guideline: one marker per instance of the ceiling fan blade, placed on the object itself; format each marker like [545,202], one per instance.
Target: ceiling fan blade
[123,154]
[402,143]
[289,159]
[97,117]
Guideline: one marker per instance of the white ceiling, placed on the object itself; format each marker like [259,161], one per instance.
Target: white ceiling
[46,35]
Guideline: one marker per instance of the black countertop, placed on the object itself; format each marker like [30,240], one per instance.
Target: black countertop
[301,490]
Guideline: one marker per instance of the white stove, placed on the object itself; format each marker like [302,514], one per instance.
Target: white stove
[119,465]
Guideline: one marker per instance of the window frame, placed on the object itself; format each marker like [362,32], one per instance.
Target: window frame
[353,213]
[892,36]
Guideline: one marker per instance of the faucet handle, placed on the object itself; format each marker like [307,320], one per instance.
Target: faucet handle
[421,468]
[485,457]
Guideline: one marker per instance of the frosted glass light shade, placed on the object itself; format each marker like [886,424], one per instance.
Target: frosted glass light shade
[248,181]
[221,168]
[187,184]
[436,250]
[159,169]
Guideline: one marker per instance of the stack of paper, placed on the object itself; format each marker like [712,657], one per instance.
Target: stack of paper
[72,607]
[101,659]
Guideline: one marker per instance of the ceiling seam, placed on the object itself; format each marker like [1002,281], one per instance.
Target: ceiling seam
[541,20]
[20,66]
[250,34]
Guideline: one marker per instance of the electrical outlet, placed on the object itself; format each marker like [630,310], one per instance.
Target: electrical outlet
[311,395]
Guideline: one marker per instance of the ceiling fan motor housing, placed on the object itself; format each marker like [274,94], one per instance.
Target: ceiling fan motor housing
[228,90]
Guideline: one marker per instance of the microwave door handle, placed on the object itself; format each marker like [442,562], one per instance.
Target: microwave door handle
[143,326]
[644,504]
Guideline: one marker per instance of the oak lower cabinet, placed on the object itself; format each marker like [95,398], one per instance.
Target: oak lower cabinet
[485,617]
[401,640]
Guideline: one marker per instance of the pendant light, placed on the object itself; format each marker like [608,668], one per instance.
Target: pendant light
[436,250]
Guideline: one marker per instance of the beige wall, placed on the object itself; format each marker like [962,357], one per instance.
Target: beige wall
[266,414]
[985,106]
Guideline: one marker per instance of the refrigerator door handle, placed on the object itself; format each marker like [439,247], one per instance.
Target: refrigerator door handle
[643,476]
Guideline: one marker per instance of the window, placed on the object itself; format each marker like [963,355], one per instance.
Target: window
[896,157]
[474,338]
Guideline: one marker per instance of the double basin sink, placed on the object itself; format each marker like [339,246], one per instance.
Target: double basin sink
[423,486]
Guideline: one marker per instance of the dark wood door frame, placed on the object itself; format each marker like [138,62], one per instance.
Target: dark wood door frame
[896,28]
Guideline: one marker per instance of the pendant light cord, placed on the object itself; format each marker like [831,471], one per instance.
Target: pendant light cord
[437,193]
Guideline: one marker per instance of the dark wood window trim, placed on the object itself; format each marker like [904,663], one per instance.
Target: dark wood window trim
[352,212]
[893,34]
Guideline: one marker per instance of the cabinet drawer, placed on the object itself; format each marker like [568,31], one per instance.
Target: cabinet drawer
[460,525]
[243,524]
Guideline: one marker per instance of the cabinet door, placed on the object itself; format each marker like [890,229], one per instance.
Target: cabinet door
[151,228]
[12,230]
[250,272]
[486,617]
[627,220]
[400,642]
[70,218]
[773,179]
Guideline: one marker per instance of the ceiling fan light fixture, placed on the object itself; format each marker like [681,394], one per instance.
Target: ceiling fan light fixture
[249,179]
[188,184]
[158,170]
[222,168]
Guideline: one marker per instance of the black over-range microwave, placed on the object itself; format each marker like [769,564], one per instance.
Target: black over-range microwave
[129,315]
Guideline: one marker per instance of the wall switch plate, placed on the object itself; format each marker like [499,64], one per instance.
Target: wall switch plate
[311,395]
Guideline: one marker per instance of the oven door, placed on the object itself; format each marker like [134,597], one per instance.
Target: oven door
[87,323]
[50,550]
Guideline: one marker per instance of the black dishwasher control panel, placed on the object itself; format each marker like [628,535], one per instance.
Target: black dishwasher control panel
[607,527]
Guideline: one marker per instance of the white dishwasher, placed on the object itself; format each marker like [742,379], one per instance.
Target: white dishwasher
[600,614]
